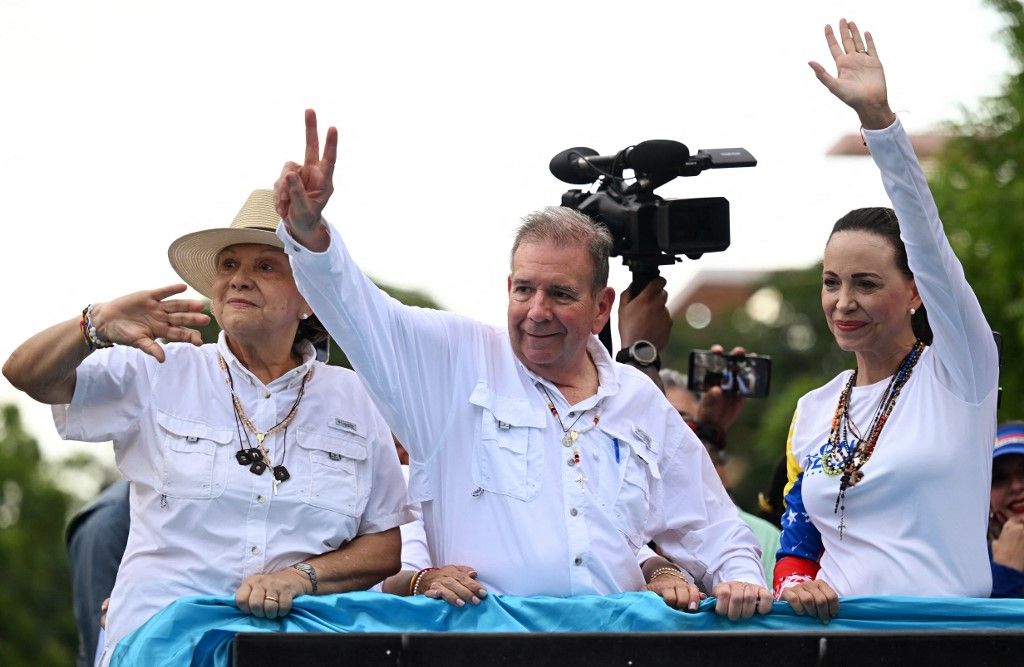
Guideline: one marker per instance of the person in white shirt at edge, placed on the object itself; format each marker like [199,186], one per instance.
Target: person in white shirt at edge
[874,453]
[254,468]
[537,459]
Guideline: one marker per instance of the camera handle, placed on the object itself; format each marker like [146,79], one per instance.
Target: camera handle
[643,272]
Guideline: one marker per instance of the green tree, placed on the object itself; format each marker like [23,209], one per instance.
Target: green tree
[37,626]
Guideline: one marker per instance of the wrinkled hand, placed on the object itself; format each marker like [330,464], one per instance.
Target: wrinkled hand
[271,595]
[676,592]
[739,599]
[812,598]
[860,80]
[1008,548]
[455,584]
[138,319]
[302,191]
[644,316]
[719,407]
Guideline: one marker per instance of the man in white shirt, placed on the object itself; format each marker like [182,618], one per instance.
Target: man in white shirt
[536,457]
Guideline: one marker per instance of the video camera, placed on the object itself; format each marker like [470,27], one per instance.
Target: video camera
[650,231]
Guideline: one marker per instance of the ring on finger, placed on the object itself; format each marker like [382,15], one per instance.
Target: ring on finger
[270,597]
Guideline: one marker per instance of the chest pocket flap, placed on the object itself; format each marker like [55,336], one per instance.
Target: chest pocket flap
[642,444]
[506,409]
[191,431]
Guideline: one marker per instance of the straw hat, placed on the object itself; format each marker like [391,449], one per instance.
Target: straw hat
[194,256]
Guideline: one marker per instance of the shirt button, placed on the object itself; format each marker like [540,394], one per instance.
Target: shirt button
[573,512]
[267,395]
[572,414]
[578,560]
[260,499]
[571,462]
[255,551]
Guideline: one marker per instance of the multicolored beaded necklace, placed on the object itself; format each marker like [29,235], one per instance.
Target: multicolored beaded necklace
[569,433]
[845,456]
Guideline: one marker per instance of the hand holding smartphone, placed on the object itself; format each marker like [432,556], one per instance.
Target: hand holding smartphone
[746,375]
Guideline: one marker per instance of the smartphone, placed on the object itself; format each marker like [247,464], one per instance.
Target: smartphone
[747,375]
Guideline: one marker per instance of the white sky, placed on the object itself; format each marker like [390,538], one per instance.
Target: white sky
[126,124]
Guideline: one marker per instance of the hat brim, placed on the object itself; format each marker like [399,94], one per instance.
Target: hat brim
[194,256]
[1008,448]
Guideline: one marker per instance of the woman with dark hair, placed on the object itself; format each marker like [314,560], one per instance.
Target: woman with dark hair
[874,454]
[254,469]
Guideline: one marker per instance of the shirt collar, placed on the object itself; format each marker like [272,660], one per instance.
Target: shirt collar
[289,379]
[607,381]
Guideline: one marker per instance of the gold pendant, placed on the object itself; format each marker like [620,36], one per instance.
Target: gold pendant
[574,435]
[260,436]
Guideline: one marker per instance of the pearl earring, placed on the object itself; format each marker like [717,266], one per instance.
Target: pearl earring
[305,316]
[912,311]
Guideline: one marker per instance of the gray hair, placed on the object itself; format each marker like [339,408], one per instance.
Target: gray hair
[670,377]
[568,227]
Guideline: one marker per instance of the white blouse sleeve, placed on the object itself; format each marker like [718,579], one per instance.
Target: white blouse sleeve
[963,342]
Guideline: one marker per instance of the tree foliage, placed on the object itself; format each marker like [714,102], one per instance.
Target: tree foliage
[37,626]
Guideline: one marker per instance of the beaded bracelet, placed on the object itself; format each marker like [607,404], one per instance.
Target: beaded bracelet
[92,336]
[671,571]
[414,583]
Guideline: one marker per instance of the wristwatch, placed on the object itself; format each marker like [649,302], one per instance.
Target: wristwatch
[642,353]
[310,572]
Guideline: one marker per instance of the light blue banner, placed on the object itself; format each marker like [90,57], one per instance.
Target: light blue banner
[199,630]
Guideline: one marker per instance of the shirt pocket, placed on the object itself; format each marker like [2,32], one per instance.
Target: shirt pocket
[195,457]
[337,471]
[633,501]
[507,455]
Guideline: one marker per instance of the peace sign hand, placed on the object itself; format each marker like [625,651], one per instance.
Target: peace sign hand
[302,191]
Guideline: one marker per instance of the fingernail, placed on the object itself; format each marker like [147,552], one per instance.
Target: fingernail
[693,606]
[460,603]
[476,600]
[482,593]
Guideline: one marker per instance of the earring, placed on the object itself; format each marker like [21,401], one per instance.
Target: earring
[913,310]
[303,316]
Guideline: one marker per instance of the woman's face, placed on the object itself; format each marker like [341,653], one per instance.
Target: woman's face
[1008,485]
[254,294]
[865,297]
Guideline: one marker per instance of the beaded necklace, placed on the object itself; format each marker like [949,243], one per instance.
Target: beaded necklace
[846,455]
[569,434]
[258,458]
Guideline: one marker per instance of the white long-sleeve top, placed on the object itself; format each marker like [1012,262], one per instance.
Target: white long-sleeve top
[497,486]
[916,523]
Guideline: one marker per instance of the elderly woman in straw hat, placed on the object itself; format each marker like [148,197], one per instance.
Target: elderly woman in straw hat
[255,469]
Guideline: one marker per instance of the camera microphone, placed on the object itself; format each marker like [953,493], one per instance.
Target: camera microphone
[583,165]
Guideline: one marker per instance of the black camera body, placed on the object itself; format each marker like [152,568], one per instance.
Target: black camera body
[648,230]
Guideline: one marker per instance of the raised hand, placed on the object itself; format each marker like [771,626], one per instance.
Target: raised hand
[859,81]
[138,319]
[302,191]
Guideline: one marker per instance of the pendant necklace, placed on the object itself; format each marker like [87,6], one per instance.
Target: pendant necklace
[845,455]
[258,458]
[570,435]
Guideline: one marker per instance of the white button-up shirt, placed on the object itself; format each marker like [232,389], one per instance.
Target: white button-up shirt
[500,491]
[200,521]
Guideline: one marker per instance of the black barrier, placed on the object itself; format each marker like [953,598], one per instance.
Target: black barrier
[792,649]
